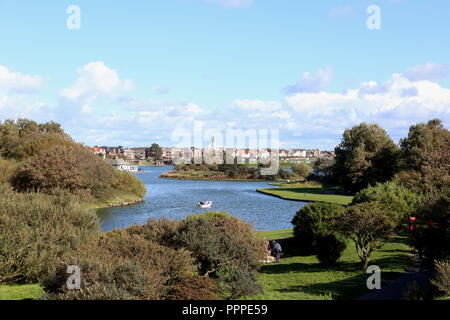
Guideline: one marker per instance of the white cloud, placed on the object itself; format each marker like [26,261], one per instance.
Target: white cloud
[427,71]
[308,118]
[17,99]
[95,79]
[15,82]
[395,105]
[316,82]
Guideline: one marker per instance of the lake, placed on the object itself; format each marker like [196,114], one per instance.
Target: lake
[175,199]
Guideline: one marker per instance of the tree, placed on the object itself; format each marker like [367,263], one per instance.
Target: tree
[365,156]
[426,157]
[302,169]
[156,151]
[397,201]
[367,225]
[324,165]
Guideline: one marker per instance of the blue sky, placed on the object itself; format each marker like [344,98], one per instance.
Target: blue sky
[137,70]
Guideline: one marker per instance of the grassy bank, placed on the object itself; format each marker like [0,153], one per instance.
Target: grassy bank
[308,194]
[123,200]
[20,292]
[304,278]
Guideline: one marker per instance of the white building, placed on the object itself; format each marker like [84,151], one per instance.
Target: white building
[122,165]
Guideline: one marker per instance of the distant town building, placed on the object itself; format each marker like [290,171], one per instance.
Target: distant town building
[128,154]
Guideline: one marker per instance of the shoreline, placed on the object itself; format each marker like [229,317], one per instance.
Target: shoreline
[164,176]
[116,204]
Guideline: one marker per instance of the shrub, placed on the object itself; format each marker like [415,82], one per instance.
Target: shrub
[49,159]
[37,231]
[329,248]
[225,248]
[442,277]
[161,231]
[432,236]
[302,169]
[74,168]
[397,201]
[122,264]
[7,170]
[311,222]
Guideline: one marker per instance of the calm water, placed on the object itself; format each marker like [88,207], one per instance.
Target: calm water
[175,199]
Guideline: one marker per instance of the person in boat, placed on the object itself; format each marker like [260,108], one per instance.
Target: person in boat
[276,250]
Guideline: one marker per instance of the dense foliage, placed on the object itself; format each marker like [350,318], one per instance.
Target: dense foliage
[311,223]
[302,169]
[442,277]
[365,156]
[396,201]
[156,151]
[230,171]
[38,231]
[122,264]
[226,249]
[426,158]
[324,166]
[42,157]
[329,248]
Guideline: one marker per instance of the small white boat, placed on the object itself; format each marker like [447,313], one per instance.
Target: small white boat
[204,204]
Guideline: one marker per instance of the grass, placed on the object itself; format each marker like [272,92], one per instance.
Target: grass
[20,292]
[277,234]
[304,278]
[309,194]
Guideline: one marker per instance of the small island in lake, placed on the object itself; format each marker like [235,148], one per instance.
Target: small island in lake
[224,172]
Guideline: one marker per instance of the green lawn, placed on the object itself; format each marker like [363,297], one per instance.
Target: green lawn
[308,194]
[304,278]
[20,292]
[277,234]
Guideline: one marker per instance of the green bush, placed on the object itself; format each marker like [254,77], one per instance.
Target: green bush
[225,248]
[329,248]
[442,277]
[397,201]
[311,222]
[432,235]
[37,231]
[302,169]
